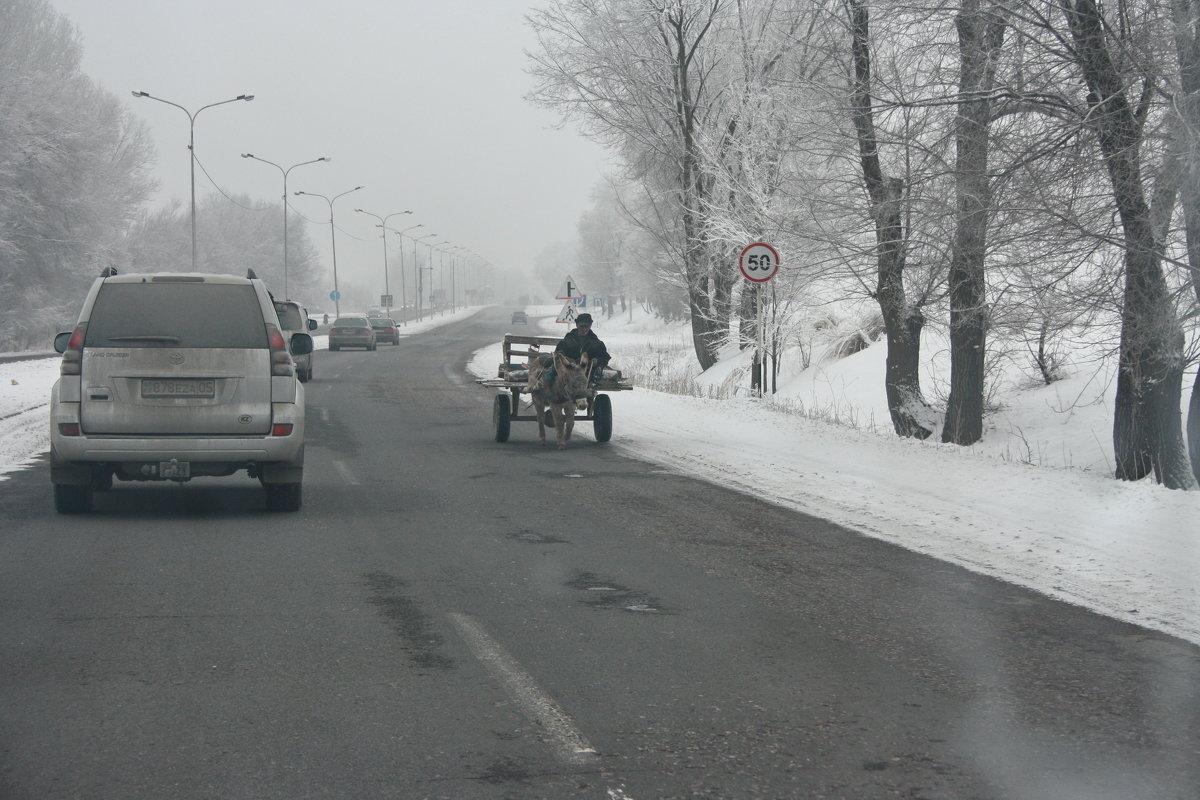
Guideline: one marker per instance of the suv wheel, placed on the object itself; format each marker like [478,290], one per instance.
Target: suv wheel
[72,498]
[282,496]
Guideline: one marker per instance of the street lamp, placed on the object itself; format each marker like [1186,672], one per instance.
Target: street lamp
[442,264]
[285,206]
[403,297]
[192,148]
[463,252]
[387,291]
[336,296]
[418,283]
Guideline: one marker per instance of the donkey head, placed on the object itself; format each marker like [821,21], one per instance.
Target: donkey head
[571,380]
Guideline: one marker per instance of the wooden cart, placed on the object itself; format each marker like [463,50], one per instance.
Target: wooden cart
[513,376]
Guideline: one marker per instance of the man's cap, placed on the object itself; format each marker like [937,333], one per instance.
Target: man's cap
[583,319]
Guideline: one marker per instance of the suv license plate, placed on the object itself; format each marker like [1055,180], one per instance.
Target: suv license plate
[179,387]
[174,469]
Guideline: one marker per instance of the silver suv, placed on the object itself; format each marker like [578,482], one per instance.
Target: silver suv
[168,377]
[293,318]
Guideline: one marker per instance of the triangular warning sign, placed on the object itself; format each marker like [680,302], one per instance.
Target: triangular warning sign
[568,314]
[568,290]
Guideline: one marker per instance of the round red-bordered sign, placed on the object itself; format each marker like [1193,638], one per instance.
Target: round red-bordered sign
[759,262]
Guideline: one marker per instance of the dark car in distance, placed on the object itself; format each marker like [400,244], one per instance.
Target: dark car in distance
[385,330]
[521,317]
[351,331]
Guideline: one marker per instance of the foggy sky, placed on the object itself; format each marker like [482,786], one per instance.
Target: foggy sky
[420,101]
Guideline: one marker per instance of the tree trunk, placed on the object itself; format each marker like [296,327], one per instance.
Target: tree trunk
[1147,429]
[1187,42]
[980,34]
[902,322]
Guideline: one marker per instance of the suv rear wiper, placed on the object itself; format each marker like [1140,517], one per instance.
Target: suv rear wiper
[148,338]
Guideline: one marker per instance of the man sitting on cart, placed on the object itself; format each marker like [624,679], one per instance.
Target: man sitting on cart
[579,342]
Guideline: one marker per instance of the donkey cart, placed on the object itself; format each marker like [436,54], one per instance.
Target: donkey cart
[513,378]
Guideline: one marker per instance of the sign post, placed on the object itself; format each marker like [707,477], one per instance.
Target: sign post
[575,298]
[568,290]
[759,262]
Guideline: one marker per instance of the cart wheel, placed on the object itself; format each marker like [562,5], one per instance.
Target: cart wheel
[548,417]
[501,417]
[602,417]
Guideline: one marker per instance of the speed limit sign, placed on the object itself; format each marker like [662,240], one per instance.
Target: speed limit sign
[759,262]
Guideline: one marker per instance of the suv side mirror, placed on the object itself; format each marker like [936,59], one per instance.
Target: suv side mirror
[302,344]
[312,324]
[60,341]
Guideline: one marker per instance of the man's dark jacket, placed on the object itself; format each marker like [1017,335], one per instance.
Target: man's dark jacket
[574,345]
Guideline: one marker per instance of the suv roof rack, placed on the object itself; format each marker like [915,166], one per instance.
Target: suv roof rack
[108,272]
[250,274]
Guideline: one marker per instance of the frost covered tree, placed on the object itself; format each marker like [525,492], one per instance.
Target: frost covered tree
[1114,52]
[980,26]
[643,76]
[73,172]
[903,319]
[234,234]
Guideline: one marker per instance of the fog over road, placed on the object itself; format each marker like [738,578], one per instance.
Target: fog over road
[450,617]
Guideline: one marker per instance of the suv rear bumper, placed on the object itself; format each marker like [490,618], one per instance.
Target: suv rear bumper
[274,457]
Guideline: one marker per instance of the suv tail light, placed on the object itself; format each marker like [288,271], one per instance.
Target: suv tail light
[72,360]
[281,359]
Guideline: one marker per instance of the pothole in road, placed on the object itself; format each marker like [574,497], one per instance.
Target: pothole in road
[606,594]
[533,537]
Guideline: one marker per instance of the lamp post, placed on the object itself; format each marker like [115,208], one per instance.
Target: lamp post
[337,296]
[285,206]
[387,291]
[442,264]
[192,147]
[418,283]
[403,297]
[453,284]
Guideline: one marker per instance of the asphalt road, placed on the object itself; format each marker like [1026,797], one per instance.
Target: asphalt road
[449,617]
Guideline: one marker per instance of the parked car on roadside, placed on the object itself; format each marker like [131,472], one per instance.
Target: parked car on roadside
[385,330]
[351,331]
[293,318]
[521,317]
[169,377]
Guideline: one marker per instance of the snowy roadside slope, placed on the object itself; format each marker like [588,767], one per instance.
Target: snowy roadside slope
[25,411]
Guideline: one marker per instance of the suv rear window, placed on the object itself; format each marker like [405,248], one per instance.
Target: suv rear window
[220,315]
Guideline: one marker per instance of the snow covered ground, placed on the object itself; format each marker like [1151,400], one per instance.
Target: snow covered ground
[1033,503]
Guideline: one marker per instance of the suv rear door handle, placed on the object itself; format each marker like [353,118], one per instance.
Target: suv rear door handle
[99,393]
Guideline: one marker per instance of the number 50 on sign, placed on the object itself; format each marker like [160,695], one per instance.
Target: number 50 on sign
[759,262]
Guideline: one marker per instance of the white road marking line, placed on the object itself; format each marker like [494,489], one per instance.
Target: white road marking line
[324,415]
[572,747]
[345,472]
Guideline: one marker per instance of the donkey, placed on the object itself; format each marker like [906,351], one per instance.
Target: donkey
[569,385]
